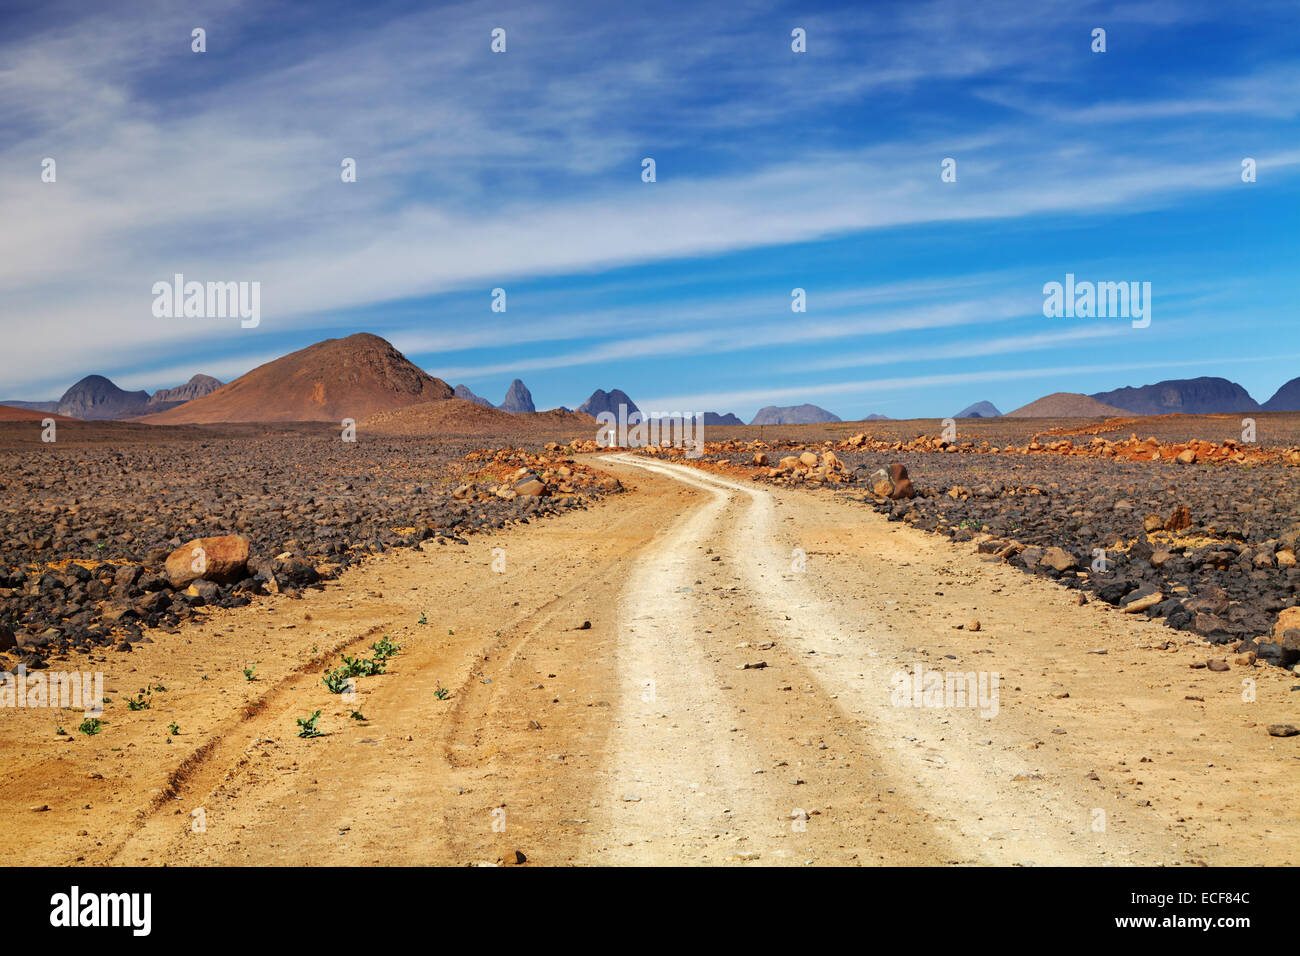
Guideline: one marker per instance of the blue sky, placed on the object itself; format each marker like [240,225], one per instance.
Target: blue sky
[775,170]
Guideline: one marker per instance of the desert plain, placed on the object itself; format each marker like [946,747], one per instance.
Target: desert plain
[633,655]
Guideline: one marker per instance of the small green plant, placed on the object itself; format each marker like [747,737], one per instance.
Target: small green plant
[440,692]
[248,672]
[307,725]
[357,715]
[58,729]
[422,619]
[174,729]
[139,701]
[337,681]
[361,667]
[385,648]
[91,726]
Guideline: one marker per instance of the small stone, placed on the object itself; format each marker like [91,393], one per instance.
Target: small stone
[1142,602]
[1059,559]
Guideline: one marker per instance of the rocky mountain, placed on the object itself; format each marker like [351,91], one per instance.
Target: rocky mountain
[1285,399]
[873,417]
[1066,405]
[518,399]
[714,420]
[1190,396]
[196,387]
[462,392]
[979,410]
[793,415]
[95,398]
[603,401]
[354,377]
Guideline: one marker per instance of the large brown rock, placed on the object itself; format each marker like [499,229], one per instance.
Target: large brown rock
[1288,619]
[1286,637]
[1060,559]
[892,482]
[221,559]
[530,486]
[1180,520]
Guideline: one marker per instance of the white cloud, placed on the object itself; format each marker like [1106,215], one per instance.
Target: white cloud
[476,171]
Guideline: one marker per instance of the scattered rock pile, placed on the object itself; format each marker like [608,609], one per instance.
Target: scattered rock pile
[99,544]
[1211,550]
[1208,551]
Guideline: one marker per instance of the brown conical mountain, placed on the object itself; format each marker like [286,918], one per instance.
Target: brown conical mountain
[1067,405]
[355,377]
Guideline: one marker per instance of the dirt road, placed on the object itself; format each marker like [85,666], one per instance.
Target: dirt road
[700,671]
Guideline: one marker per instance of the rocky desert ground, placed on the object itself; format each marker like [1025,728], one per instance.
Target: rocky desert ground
[525,649]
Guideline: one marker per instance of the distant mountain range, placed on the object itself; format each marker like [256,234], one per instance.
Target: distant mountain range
[96,398]
[793,415]
[1206,395]
[50,406]
[362,375]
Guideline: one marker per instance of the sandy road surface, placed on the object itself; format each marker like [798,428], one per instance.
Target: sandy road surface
[643,737]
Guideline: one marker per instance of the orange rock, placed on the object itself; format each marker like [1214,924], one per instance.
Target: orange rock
[220,559]
[1288,618]
[1179,520]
